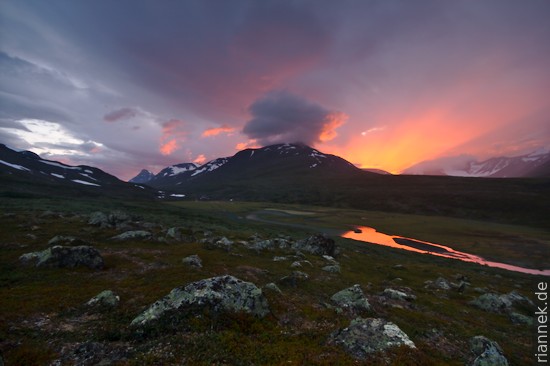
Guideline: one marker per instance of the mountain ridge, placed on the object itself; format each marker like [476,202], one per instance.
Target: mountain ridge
[532,165]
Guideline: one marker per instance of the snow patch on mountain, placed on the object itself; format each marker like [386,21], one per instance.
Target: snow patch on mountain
[210,166]
[84,182]
[15,166]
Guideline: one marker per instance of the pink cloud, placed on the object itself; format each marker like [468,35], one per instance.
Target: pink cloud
[217,130]
[173,133]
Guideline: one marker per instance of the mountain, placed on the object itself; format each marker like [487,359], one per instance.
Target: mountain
[271,163]
[536,164]
[26,172]
[143,177]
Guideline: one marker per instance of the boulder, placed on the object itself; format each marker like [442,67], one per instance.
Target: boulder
[217,242]
[398,295]
[496,303]
[318,244]
[105,298]
[366,336]
[258,244]
[486,352]
[218,294]
[351,300]
[273,287]
[66,240]
[60,256]
[193,261]
[174,233]
[518,318]
[116,219]
[294,278]
[133,235]
[332,269]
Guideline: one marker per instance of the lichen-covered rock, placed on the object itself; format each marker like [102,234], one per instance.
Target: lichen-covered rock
[273,287]
[518,318]
[366,336]
[398,295]
[133,235]
[258,244]
[351,299]
[496,303]
[105,298]
[193,261]
[442,284]
[70,257]
[294,278]
[318,244]
[487,352]
[116,219]
[67,240]
[174,233]
[218,294]
[332,269]
[218,242]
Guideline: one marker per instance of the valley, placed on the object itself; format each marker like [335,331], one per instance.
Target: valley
[46,318]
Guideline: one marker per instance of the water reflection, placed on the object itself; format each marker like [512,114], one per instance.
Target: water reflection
[370,235]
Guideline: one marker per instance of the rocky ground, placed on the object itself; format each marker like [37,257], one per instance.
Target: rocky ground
[110,288]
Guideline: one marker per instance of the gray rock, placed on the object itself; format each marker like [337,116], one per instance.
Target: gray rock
[105,298]
[116,219]
[174,233]
[193,261]
[366,336]
[218,294]
[442,283]
[487,352]
[398,295]
[351,299]
[318,244]
[60,256]
[332,269]
[133,235]
[496,303]
[66,240]
[280,259]
[258,244]
[217,242]
[518,318]
[294,279]
[99,219]
[330,259]
[273,287]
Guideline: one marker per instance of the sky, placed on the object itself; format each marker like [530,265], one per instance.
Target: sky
[129,84]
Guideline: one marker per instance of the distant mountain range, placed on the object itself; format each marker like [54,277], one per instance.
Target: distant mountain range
[290,173]
[536,164]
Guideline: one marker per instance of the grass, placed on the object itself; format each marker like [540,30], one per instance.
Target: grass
[42,316]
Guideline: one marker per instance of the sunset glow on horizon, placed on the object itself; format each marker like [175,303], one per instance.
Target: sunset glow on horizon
[384,85]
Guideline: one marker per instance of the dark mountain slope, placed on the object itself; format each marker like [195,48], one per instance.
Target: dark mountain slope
[26,173]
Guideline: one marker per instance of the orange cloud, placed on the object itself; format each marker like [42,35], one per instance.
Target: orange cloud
[250,144]
[217,130]
[332,122]
[173,134]
[201,159]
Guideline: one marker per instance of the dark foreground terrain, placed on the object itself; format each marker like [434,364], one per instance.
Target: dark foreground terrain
[289,313]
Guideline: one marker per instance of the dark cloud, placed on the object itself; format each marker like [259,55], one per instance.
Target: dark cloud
[120,114]
[284,117]
[384,63]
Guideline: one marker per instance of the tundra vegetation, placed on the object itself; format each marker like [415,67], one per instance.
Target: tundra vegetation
[237,283]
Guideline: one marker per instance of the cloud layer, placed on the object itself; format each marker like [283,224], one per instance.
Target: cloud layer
[416,80]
